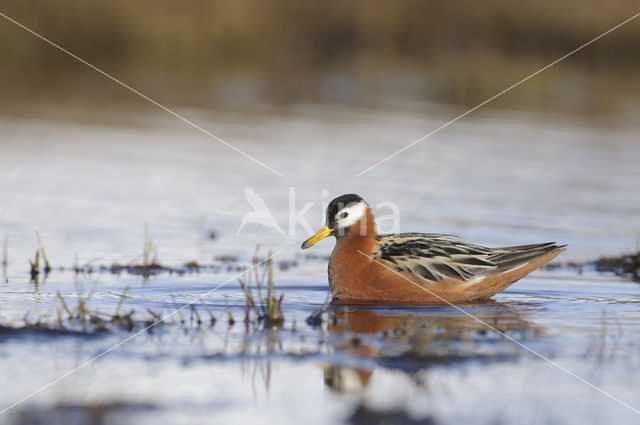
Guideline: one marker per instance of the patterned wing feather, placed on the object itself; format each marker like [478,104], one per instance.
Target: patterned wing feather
[434,257]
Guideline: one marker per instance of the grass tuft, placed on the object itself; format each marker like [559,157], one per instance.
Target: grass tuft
[35,264]
[5,258]
[122,296]
[268,308]
[146,252]
[5,251]
[230,319]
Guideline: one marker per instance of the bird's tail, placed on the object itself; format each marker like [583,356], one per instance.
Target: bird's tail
[513,263]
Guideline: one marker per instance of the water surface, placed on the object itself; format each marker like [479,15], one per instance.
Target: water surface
[499,179]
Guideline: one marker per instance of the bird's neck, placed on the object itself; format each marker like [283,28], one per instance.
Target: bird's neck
[351,255]
[361,236]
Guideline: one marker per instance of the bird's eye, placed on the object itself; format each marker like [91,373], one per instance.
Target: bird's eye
[344,215]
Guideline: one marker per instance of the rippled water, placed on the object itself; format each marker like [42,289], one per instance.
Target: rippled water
[90,189]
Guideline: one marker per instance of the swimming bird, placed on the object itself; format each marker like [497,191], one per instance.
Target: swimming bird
[416,268]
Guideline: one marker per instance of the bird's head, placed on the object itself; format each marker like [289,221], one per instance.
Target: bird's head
[342,213]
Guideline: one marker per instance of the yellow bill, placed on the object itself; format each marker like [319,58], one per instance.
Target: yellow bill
[322,233]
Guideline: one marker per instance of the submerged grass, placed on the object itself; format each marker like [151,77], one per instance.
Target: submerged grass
[315,318]
[150,266]
[627,265]
[624,265]
[78,413]
[80,319]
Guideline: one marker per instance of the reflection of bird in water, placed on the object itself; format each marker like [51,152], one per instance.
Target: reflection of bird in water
[416,340]
[260,214]
[416,268]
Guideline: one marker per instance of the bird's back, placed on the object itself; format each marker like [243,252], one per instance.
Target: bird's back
[435,257]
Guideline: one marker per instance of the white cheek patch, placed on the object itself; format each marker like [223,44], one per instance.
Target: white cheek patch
[355,212]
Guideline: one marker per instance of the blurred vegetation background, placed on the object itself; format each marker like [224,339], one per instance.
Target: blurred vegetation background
[206,53]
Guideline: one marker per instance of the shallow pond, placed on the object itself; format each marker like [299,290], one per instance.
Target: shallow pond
[557,347]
